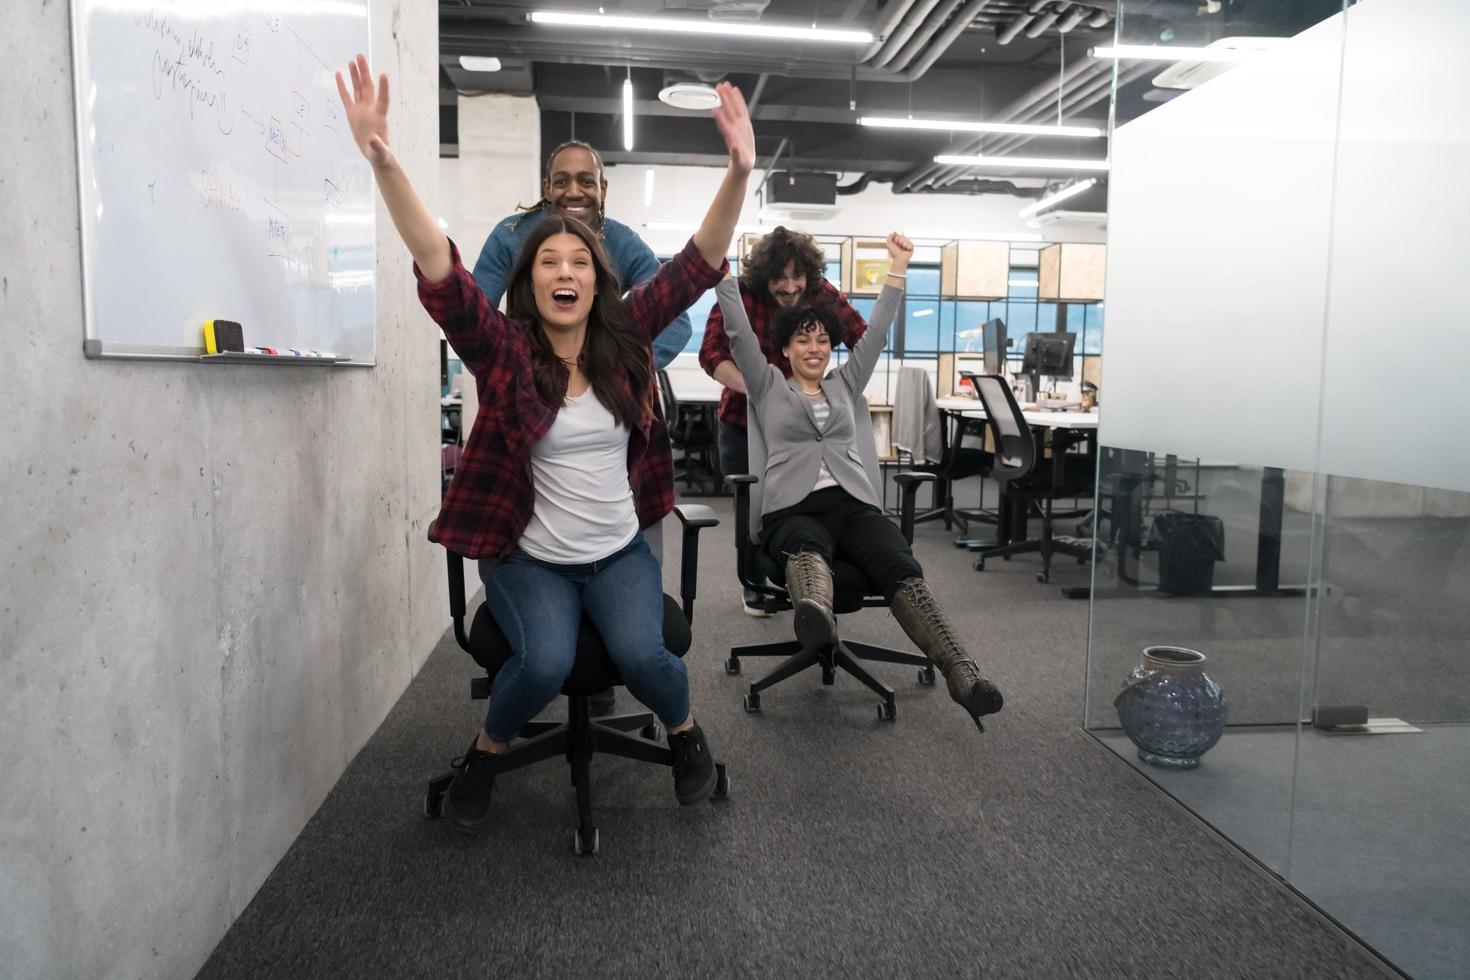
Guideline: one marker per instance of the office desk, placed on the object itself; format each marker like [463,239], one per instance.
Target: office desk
[1068,428]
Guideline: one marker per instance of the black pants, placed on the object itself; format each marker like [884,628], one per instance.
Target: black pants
[734,452]
[836,525]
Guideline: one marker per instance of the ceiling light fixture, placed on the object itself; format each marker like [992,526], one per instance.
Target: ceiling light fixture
[1059,196]
[627,114]
[681,25]
[1217,51]
[950,126]
[1020,163]
[694,96]
[475,62]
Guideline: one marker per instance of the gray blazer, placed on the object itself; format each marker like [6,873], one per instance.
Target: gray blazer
[786,446]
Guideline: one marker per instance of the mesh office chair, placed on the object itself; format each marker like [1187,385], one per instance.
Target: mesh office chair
[1029,482]
[956,460]
[851,591]
[692,438]
[581,736]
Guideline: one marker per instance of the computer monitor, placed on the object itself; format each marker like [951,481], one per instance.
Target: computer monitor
[994,345]
[1048,355]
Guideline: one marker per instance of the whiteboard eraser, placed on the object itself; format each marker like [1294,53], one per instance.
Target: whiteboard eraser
[223,335]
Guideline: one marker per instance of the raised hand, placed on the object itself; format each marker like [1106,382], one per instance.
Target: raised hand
[900,251]
[367,111]
[733,120]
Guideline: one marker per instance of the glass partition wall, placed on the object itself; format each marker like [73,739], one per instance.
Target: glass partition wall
[1284,484]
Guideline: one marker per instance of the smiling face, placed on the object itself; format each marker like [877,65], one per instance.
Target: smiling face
[575,185]
[564,281]
[787,288]
[809,352]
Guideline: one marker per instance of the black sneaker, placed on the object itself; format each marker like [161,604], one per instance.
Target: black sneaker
[694,767]
[602,703]
[467,800]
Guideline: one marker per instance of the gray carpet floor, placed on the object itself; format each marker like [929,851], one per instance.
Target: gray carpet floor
[1371,828]
[851,846]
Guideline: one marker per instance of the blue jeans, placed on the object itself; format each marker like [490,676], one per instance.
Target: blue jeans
[539,606]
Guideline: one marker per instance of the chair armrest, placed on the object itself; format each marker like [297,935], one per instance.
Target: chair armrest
[457,598]
[741,484]
[908,485]
[694,518]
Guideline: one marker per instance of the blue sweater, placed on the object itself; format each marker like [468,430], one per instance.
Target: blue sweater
[632,260]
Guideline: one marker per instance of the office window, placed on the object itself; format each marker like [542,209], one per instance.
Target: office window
[921,326]
[1023,284]
[923,280]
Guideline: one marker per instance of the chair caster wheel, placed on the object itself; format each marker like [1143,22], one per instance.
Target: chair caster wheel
[829,676]
[722,783]
[926,676]
[586,844]
[650,731]
[979,564]
[732,666]
[887,711]
[752,703]
[1042,577]
[434,798]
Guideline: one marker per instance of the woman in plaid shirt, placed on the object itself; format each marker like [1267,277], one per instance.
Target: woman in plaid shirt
[567,459]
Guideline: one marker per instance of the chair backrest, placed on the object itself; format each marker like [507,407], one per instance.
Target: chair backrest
[916,416]
[1015,448]
[666,388]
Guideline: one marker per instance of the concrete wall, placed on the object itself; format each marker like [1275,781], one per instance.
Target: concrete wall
[215,580]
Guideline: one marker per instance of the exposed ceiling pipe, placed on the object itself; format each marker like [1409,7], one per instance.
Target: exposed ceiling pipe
[924,35]
[902,33]
[1039,25]
[1100,19]
[1009,34]
[896,12]
[955,29]
[1074,17]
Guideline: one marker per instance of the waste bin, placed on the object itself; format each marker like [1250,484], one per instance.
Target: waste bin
[1188,546]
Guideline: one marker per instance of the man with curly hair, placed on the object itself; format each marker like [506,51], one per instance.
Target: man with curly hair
[785,269]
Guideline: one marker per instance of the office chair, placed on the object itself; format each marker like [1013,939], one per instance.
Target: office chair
[693,437]
[581,736]
[851,591]
[1029,483]
[956,460]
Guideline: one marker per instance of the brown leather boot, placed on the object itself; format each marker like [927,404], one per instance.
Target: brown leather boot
[809,583]
[922,618]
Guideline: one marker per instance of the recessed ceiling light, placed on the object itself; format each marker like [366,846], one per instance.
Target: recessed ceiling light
[475,62]
[690,95]
[1019,163]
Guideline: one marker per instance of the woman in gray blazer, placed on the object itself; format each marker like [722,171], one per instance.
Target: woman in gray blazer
[818,495]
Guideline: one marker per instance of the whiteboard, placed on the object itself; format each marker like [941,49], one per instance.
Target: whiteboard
[218,177]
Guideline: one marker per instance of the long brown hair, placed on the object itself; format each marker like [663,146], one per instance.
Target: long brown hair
[613,347]
[543,205]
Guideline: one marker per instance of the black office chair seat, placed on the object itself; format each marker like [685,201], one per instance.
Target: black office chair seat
[593,670]
[581,736]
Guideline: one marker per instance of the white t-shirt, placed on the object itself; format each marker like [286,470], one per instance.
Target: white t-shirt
[584,504]
[821,408]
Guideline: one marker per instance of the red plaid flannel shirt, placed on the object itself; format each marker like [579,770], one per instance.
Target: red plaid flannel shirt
[714,350]
[490,500]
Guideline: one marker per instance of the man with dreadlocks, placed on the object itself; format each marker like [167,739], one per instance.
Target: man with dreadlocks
[575,186]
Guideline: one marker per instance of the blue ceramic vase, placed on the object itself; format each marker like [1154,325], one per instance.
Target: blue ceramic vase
[1170,708]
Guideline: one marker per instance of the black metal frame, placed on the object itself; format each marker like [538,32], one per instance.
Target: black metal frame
[845,654]
[581,736]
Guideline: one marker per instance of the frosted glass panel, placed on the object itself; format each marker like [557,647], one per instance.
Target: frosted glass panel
[1217,261]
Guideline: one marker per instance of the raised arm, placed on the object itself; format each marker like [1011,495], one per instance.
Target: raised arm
[367,114]
[864,357]
[680,281]
[759,374]
[671,339]
[718,228]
